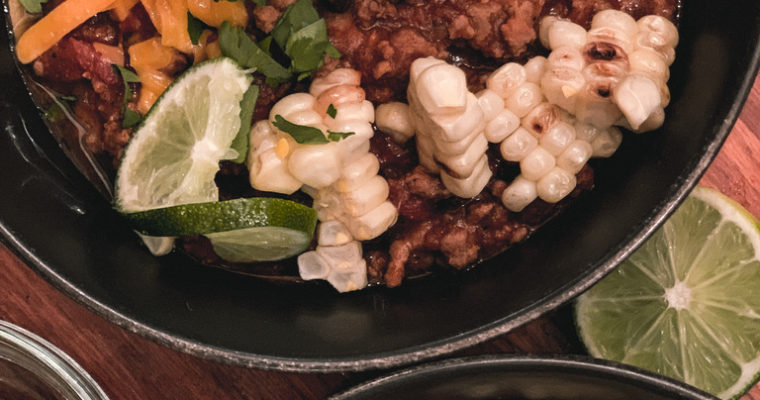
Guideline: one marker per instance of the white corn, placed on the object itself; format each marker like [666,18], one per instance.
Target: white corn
[349,280]
[425,149]
[472,185]
[541,118]
[421,64]
[566,57]
[595,107]
[607,142]
[524,98]
[657,43]
[557,138]
[462,165]
[315,165]
[611,36]
[555,185]
[660,25]
[453,127]
[566,33]
[341,257]
[648,62]
[543,29]
[501,126]
[312,266]
[506,79]
[537,164]
[304,117]
[615,19]
[365,198]
[445,148]
[292,104]
[442,89]
[393,118]
[333,233]
[575,156]
[519,194]
[363,110]
[373,223]
[586,132]
[341,76]
[637,97]
[561,87]
[490,103]
[269,173]
[518,145]
[535,68]
[357,172]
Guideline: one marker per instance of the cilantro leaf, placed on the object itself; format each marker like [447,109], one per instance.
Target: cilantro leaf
[301,134]
[33,6]
[247,105]
[236,44]
[131,118]
[295,17]
[338,136]
[332,111]
[194,28]
[332,51]
[306,47]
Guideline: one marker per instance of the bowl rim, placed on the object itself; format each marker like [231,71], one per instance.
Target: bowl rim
[563,363]
[412,354]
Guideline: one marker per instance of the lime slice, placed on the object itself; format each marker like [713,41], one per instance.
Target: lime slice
[175,152]
[685,304]
[259,244]
[241,230]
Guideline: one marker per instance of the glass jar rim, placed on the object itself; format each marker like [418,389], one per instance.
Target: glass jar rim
[48,363]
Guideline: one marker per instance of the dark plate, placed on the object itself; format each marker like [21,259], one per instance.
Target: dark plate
[65,230]
[520,378]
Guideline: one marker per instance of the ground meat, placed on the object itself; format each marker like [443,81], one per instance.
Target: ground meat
[137,27]
[266,17]
[381,38]
[100,28]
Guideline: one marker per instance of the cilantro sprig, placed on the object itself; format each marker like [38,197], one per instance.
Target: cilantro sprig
[131,118]
[307,134]
[300,35]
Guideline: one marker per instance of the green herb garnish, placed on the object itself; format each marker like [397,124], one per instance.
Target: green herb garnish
[331,111]
[194,28]
[247,105]
[308,134]
[236,44]
[131,118]
[33,6]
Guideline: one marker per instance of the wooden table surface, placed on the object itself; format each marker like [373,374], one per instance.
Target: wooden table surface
[128,366]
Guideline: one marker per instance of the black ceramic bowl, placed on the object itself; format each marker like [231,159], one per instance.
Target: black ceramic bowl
[524,378]
[65,230]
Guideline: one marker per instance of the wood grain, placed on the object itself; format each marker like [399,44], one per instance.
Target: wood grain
[130,367]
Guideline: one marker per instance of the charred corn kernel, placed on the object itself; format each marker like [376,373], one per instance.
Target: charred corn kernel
[51,28]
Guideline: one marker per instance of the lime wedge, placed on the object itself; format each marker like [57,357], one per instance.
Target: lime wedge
[259,244]
[685,304]
[175,152]
[241,230]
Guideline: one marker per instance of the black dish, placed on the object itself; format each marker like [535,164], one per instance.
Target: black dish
[517,378]
[62,226]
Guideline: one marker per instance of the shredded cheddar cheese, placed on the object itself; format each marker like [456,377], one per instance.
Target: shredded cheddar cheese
[148,58]
[214,13]
[51,28]
[112,54]
[121,8]
[170,19]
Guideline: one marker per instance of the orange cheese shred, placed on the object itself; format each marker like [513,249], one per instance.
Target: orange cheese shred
[51,28]
[214,13]
[148,58]
[170,19]
[112,54]
[121,8]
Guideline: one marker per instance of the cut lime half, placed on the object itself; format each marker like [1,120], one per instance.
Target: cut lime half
[241,230]
[687,303]
[175,152]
